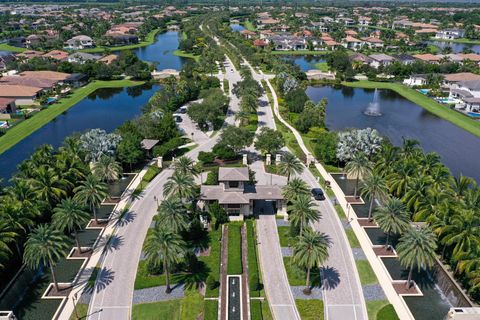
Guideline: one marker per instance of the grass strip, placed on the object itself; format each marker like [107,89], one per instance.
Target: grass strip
[423,101]
[387,313]
[310,309]
[183,54]
[234,264]
[296,276]
[210,310]
[149,39]
[27,127]
[299,52]
[213,261]
[81,309]
[158,310]
[367,276]
[253,273]
[7,47]
[352,238]
[284,235]
[256,310]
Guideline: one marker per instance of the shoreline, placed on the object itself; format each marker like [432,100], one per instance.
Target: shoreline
[22,130]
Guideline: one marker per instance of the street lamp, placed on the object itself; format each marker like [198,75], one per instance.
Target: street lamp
[155,199]
[348,211]
[74,298]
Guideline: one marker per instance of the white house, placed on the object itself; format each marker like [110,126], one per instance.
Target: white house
[416,80]
[80,42]
[352,43]
[381,59]
[450,34]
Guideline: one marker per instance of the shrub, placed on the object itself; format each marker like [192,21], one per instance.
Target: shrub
[294,230]
[254,282]
[212,283]
[224,152]
[169,148]
[212,178]
[206,157]
[151,173]
[153,268]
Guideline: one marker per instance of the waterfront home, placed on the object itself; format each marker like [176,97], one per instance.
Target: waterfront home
[471,56]
[58,55]
[74,79]
[7,107]
[108,59]
[359,58]
[260,43]
[122,39]
[28,54]
[453,57]
[381,59]
[426,31]
[450,34]
[80,42]
[286,43]
[33,41]
[22,95]
[29,81]
[416,80]
[427,57]
[237,195]
[82,57]
[267,22]
[352,43]
[247,34]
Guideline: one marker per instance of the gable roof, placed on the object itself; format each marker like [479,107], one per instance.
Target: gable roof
[18,91]
[233,174]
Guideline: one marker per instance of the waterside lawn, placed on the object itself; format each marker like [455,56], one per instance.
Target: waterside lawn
[149,39]
[27,127]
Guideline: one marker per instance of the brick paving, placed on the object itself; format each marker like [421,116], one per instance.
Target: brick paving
[156,294]
[373,292]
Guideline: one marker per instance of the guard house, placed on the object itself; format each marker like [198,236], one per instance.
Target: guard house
[238,196]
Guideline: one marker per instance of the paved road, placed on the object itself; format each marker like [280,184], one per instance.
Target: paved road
[113,292]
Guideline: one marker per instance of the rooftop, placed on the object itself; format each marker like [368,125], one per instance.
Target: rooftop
[233,174]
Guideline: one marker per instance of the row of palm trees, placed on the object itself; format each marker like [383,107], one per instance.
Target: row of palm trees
[310,248]
[415,186]
[50,198]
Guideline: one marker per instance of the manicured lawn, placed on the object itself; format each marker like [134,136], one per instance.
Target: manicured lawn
[183,54]
[300,52]
[296,276]
[192,305]
[425,102]
[7,47]
[339,210]
[234,264]
[82,311]
[387,313]
[460,40]
[322,66]
[213,260]
[284,235]
[27,127]
[158,310]
[381,310]
[145,280]
[253,272]
[249,25]
[367,276]
[310,309]
[149,39]
[210,310]
[352,238]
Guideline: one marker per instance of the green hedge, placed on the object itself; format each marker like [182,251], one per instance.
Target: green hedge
[387,313]
[151,173]
[256,310]
[234,265]
[211,310]
[253,274]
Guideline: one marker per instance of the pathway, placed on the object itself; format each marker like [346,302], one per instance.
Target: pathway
[223,274]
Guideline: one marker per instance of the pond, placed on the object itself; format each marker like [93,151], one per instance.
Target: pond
[456,47]
[160,53]
[105,109]
[306,62]
[237,27]
[399,119]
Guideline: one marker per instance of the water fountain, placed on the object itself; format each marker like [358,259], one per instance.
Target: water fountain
[373,109]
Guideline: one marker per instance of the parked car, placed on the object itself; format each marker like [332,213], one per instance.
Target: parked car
[183,110]
[318,194]
[178,119]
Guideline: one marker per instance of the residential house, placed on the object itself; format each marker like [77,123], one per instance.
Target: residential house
[404,58]
[108,59]
[450,34]
[33,41]
[7,107]
[286,43]
[346,21]
[82,57]
[5,60]
[56,55]
[238,196]
[360,58]
[74,79]
[467,94]
[373,43]
[452,80]
[364,21]
[247,34]
[261,43]
[352,43]
[18,42]
[351,32]
[380,60]
[80,42]
[22,95]
[28,54]
[416,80]
[29,81]
[427,57]
[321,26]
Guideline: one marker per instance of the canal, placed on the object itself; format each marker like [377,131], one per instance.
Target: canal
[105,108]
[456,47]
[400,118]
[305,62]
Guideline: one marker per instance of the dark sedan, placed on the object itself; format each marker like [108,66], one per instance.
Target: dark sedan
[318,194]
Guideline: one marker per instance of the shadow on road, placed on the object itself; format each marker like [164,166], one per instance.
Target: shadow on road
[99,280]
[330,277]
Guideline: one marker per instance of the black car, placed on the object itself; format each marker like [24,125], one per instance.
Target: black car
[317,194]
[178,119]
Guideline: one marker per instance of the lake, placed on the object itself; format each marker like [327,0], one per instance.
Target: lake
[306,62]
[237,27]
[160,53]
[456,47]
[105,108]
[400,118]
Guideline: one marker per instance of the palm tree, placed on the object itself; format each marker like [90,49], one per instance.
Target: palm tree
[358,166]
[310,251]
[47,185]
[392,218]
[107,169]
[164,247]
[461,184]
[70,216]
[387,158]
[172,214]
[185,165]
[7,236]
[180,185]
[290,165]
[44,247]
[295,188]
[410,147]
[91,192]
[398,180]
[417,191]
[462,231]
[302,212]
[416,248]
[373,187]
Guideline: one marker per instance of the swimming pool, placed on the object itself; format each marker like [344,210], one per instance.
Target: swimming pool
[474,114]
[424,91]
[3,124]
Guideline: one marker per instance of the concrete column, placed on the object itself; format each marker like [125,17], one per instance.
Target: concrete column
[245,159]
[268,161]
[160,162]
[278,159]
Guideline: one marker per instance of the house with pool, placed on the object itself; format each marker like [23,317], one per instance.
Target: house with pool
[240,197]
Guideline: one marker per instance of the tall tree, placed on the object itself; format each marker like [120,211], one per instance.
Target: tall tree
[179,185]
[290,165]
[164,248]
[310,251]
[294,188]
[358,166]
[107,169]
[7,236]
[392,218]
[70,216]
[91,192]
[302,211]
[172,214]
[374,186]
[416,248]
[185,165]
[44,247]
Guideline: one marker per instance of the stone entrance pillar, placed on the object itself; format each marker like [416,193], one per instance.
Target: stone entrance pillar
[278,159]
[268,160]
[160,162]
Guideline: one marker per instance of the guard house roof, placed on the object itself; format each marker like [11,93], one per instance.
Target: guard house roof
[148,144]
[233,174]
